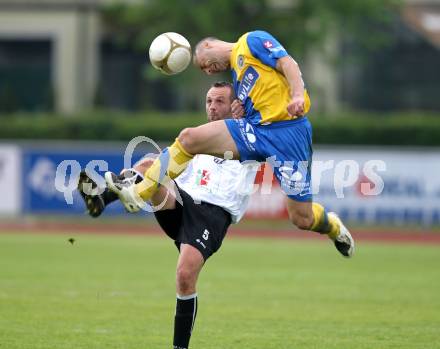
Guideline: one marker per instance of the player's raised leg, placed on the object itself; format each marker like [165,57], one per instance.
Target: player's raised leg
[96,203]
[212,139]
[188,268]
[164,197]
[313,216]
[293,172]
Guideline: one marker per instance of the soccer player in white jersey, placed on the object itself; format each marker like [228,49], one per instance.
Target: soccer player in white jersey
[212,193]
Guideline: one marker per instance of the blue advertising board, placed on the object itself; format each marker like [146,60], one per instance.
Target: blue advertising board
[46,177]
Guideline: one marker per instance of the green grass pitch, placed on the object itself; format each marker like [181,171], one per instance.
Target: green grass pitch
[118,292]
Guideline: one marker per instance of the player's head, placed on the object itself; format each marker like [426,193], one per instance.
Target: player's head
[218,101]
[212,55]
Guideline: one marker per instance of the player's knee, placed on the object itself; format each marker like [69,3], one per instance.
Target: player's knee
[185,280]
[143,165]
[189,140]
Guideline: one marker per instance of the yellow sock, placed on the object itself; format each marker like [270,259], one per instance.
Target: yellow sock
[170,163]
[323,223]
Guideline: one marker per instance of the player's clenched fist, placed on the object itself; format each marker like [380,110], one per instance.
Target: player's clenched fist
[237,109]
[296,106]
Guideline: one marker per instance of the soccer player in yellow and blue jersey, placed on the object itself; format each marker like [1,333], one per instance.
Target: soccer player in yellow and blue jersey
[269,87]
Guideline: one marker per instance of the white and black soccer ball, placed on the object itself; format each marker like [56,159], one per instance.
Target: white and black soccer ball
[170,53]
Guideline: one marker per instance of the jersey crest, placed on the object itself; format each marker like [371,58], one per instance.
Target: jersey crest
[240,61]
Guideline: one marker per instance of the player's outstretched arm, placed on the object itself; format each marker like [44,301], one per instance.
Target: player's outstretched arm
[290,69]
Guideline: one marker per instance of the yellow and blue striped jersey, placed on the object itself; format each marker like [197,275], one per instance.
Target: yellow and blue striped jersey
[262,89]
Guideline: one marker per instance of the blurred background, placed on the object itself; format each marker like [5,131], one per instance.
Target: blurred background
[76,84]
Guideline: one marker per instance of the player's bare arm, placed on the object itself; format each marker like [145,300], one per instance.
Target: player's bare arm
[290,69]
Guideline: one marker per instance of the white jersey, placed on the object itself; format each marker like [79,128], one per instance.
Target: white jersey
[224,183]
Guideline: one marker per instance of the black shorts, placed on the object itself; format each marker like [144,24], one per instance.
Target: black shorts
[202,226]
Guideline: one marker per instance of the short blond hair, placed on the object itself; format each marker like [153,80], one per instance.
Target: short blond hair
[199,45]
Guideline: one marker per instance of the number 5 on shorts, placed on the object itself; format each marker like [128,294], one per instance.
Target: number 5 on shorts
[205,235]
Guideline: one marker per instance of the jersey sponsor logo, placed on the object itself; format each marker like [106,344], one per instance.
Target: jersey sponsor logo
[206,176]
[243,127]
[268,44]
[273,49]
[203,177]
[294,181]
[288,174]
[277,49]
[248,82]
[219,161]
[250,133]
[201,243]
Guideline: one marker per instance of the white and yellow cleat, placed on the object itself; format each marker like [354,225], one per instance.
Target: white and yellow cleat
[125,189]
[344,241]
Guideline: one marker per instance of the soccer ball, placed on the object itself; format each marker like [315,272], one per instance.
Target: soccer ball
[170,53]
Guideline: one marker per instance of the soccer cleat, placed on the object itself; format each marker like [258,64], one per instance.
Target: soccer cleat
[344,242]
[94,203]
[125,189]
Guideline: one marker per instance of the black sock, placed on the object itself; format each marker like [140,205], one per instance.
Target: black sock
[186,311]
[108,196]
